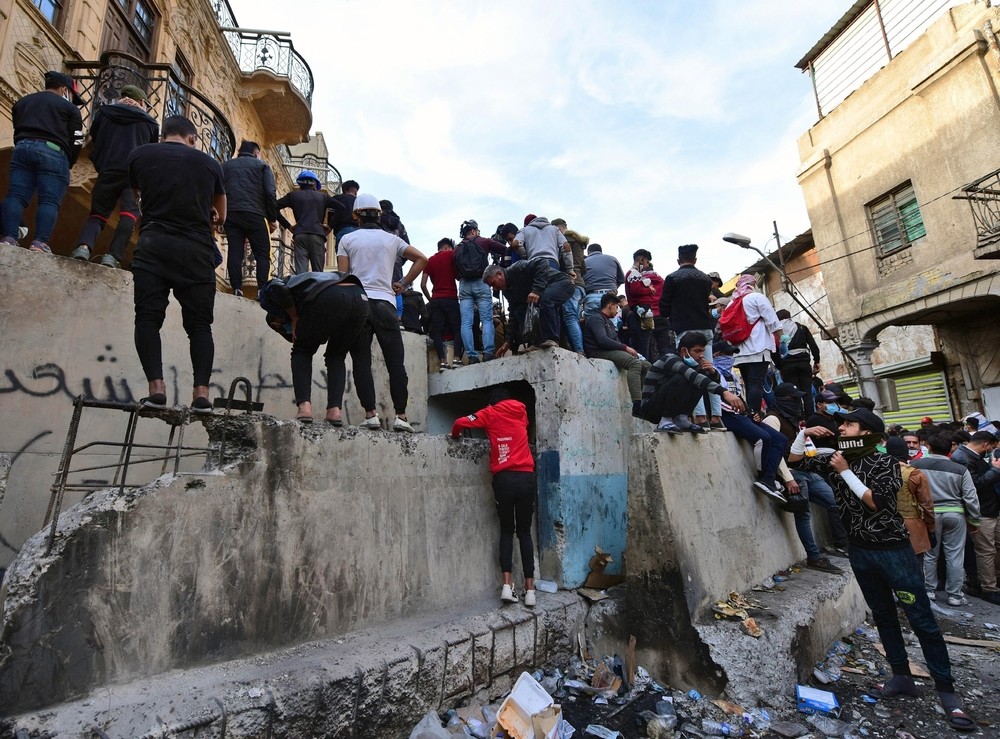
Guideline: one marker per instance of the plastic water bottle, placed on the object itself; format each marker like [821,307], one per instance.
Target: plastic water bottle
[720,728]
[665,710]
[810,448]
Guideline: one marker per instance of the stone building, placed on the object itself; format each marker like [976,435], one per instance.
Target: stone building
[900,178]
[190,56]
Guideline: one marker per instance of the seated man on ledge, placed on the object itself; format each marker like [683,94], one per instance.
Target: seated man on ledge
[600,341]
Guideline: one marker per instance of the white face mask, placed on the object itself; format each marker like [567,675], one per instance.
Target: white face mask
[913,452]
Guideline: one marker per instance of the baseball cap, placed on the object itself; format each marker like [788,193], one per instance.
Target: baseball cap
[926,419]
[787,390]
[365,201]
[64,80]
[827,397]
[715,276]
[865,418]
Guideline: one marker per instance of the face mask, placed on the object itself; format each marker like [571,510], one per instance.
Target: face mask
[715,313]
[690,362]
[913,452]
[832,408]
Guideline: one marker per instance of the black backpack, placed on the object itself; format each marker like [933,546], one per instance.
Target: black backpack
[470,260]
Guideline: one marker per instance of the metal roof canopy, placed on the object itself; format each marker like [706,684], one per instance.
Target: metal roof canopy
[845,20]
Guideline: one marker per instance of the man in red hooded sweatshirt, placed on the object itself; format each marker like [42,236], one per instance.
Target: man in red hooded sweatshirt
[506,423]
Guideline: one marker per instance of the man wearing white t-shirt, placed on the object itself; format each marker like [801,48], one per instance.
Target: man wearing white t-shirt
[370,254]
[755,353]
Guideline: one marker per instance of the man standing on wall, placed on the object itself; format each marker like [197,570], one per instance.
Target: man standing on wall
[442,303]
[471,257]
[797,343]
[118,130]
[48,132]
[183,197]
[309,205]
[253,213]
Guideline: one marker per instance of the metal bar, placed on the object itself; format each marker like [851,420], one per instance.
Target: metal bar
[59,489]
[129,439]
[881,27]
[180,441]
[166,457]
[126,449]
[193,452]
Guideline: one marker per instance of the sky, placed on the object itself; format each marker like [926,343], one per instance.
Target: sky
[644,123]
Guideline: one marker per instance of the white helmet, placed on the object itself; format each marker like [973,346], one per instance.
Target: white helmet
[365,201]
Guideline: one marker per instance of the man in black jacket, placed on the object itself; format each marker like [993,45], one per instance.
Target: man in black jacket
[531,281]
[253,213]
[309,205]
[342,221]
[48,132]
[794,363]
[117,131]
[986,477]
[600,341]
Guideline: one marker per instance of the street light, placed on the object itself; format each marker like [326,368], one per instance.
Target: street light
[738,239]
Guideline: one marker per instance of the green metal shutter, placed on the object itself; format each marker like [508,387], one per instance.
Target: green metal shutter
[920,393]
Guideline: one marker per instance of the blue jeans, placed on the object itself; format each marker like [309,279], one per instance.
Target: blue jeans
[818,490]
[882,572]
[472,294]
[35,166]
[715,402]
[571,319]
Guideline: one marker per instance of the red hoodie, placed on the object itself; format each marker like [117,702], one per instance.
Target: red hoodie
[506,425]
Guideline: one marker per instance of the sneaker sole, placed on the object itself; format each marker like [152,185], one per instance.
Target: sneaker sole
[770,493]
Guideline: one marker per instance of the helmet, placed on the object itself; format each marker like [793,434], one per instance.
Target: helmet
[307,175]
[467,226]
[364,201]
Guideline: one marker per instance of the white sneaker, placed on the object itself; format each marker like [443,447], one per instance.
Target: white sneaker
[372,424]
[507,594]
[82,252]
[932,595]
[529,598]
[956,602]
[444,366]
[401,424]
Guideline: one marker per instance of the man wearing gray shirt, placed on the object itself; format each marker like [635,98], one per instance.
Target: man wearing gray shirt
[604,275]
[539,238]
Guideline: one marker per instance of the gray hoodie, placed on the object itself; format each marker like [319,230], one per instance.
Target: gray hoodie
[541,239]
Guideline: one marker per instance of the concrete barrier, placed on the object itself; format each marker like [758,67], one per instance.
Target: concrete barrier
[67,331]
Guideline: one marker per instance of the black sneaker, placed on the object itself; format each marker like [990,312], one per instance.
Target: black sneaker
[837,551]
[991,596]
[156,400]
[201,405]
[823,565]
[771,490]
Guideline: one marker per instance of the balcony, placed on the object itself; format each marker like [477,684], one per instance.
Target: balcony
[100,83]
[277,81]
[328,174]
[983,197]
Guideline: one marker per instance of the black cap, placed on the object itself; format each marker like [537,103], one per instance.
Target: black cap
[983,436]
[895,446]
[724,347]
[64,80]
[866,418]
[687,250]
[784,389]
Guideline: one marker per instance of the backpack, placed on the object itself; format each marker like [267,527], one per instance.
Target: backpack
[733,323]
[470,260]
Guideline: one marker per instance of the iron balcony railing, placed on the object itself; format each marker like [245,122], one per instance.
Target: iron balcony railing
[100,83]
[328,174]
[983,197]
[264,50]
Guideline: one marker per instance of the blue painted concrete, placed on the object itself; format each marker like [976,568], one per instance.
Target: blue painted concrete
[589,510]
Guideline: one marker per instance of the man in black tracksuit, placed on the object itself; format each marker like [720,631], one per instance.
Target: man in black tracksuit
[794,364]
[118,130]
[309,205]
[253,213]
[532,281]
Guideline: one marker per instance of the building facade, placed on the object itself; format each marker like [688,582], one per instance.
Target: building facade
[900,180]
[190,56]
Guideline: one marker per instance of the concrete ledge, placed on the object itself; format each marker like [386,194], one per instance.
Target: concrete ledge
[371,684]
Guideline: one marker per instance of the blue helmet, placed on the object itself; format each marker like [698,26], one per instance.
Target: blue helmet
[306,176]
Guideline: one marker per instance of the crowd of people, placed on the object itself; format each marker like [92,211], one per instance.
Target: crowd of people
[910,510]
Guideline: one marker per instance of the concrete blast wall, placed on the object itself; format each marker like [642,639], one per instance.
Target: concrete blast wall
[67,331]
[318,533]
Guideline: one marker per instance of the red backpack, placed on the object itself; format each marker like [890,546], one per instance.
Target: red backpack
[733,323]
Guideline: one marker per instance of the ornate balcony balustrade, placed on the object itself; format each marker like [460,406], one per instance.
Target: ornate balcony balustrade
[983,197]
[328,174]
[100,83]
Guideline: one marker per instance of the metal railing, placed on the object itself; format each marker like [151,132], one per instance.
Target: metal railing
[328,174]
[264,50]
[100,83]
[983,197]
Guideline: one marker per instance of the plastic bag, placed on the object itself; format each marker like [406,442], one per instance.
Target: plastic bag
[532,330]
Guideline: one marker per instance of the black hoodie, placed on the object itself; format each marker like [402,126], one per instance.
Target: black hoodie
[117,131]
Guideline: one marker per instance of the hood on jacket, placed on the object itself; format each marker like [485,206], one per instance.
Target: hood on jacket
[539,222]
[576,236]
[124,114]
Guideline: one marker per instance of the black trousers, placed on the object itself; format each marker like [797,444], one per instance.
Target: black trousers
[514,493]
[383,324]
[163,263]
[753,375]
[336,317]
[112,187]
[245,226]
[674,396]
[800,374]
[445,314]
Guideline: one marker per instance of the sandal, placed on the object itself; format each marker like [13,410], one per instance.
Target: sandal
[304,419]
[879,691]
[959,720]
[335,422]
